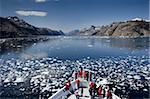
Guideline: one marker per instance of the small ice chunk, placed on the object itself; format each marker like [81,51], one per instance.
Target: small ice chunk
[19,79]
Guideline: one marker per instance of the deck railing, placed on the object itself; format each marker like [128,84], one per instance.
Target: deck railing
[63,93]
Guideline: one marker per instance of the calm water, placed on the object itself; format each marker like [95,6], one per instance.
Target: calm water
[73,47]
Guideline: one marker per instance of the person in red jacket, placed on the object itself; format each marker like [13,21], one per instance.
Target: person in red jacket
[76,75]
[109,94]
[91,84]
[92,88]
[67,85]
[78,83]
[90,76]
[85,75]
[80,73]
[69,82]
[99,91]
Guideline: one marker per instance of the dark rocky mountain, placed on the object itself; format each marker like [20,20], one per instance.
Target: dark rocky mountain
[11,27]
[129,28]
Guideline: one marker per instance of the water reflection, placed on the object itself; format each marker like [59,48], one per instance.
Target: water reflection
[72,47]
[133,44]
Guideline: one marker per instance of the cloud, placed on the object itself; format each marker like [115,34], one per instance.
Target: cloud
[40,1]
[31,13]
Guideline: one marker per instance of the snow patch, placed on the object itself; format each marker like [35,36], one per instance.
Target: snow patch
[137,19]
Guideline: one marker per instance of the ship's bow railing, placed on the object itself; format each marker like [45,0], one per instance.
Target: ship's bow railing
[63,93]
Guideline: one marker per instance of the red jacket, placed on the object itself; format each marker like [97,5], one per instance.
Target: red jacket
[76,75]
[80,73]
[108,94]
[67,85]
[78,81]
[90,75]
[99,91]
[92,84]
[85,74]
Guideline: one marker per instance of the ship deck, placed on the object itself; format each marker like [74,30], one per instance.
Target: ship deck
[78,93]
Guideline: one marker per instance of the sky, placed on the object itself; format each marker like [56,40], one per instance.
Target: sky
[67,15]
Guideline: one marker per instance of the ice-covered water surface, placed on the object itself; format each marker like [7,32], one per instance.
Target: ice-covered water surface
[73,48]
[129,75]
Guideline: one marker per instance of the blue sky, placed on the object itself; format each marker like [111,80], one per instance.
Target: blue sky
[68,15]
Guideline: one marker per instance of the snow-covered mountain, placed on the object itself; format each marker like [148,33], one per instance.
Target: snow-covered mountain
[140,19]
[15,27]
[134,27]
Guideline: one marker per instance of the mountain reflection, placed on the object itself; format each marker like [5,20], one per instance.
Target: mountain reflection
[66,47]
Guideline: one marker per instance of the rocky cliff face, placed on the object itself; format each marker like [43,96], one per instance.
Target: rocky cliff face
[128,28]
[15,27]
